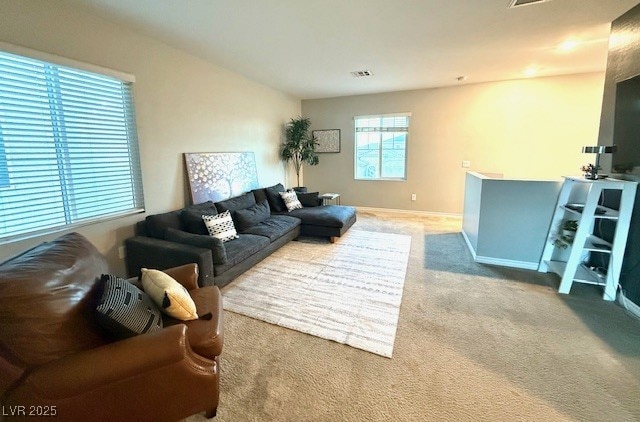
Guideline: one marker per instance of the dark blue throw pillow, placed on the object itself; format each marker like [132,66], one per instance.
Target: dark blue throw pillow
[275,200]
[192,217]
[309,199]
[251,216]
[236,203]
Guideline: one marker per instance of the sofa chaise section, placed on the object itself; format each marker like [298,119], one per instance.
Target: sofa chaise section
[330,221]
[325,220]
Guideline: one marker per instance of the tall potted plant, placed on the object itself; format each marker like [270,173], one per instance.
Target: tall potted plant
[298,146]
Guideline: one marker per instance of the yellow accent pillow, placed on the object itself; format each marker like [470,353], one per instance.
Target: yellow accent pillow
[172,297]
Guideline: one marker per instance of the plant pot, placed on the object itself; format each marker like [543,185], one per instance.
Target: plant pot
[569,234]
[561,254]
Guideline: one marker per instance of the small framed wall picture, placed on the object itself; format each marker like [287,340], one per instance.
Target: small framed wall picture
[328,140]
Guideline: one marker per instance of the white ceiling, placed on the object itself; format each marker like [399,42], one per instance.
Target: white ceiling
[308,48]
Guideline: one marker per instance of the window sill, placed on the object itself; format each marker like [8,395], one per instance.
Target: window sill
[68,227]
[380,180]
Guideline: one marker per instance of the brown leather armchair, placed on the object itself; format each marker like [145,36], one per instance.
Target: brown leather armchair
[54,359]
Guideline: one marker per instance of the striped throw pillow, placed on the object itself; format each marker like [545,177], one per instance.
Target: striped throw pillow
[125,310]
[221,226]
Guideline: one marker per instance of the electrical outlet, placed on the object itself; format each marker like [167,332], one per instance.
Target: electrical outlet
[413,196]
[466,164]
[121,252]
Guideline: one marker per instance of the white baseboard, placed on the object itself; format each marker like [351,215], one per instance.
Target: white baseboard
[414,212]
[468,242]
[498,261]
[628,305]
[525,265]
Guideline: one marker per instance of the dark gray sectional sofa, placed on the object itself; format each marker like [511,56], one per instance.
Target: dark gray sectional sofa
[261,219]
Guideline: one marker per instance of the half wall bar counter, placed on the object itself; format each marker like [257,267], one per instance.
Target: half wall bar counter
[506,221]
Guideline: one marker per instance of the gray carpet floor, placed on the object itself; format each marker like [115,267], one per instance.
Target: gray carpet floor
[474,343]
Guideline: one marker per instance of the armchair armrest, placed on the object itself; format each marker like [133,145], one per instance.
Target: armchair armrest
[126,359]
[187,275]
[148,252]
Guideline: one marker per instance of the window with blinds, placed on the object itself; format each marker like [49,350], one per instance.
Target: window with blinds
[68,147]
[381,147]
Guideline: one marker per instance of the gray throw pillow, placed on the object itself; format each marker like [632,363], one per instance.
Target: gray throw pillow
[218,251]
[251,216]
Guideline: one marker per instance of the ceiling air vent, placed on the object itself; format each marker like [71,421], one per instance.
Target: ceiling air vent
[361,73]
[518,3]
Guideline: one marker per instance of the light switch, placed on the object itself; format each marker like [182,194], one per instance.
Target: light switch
[466,164]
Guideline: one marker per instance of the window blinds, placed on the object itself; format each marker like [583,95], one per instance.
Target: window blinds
[393,123]
[68,147]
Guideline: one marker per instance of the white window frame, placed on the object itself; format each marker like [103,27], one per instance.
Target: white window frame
[16,229]
[355,148]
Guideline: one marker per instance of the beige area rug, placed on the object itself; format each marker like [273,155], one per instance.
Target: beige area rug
[348,292]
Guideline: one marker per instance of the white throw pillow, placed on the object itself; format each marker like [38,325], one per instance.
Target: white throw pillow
[171,297]
[221,226]
[290,200]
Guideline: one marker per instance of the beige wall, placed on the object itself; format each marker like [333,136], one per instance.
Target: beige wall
[183,104]
[531,128]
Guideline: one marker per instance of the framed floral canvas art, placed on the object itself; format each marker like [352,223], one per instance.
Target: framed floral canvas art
[215,176]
